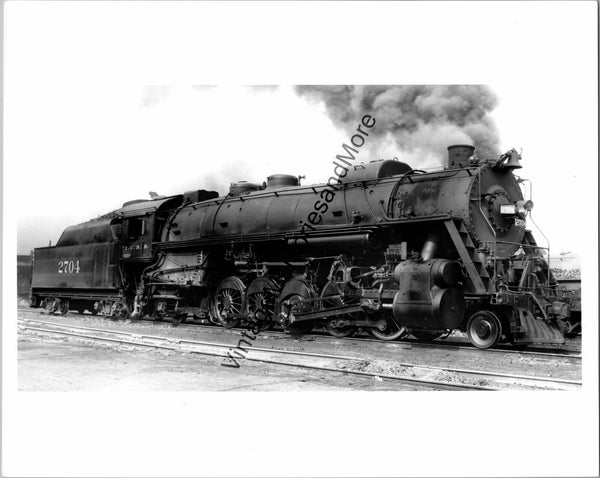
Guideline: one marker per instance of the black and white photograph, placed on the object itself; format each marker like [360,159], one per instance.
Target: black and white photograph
[250,237]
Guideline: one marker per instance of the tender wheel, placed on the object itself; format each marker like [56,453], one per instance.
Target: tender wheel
[484,329]
[391,332]
[261,301]
[50,305]
[425,335]
[121,311]
[64,306]
[104,308]
[331,325]
[228,302]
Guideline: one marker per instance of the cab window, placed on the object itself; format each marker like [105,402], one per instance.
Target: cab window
[136,227]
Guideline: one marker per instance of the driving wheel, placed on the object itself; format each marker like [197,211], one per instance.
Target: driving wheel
[121,311]
[228,302]
[261,301]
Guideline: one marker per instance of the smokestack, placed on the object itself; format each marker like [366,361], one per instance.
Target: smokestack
[459,154]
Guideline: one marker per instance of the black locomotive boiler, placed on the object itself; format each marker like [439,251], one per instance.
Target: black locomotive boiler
[382,248]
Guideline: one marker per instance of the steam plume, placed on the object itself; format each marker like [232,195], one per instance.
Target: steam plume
[419,119]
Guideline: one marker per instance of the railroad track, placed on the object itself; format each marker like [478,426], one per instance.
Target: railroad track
[570,354]
[436,344]
[573,355]
[442,378]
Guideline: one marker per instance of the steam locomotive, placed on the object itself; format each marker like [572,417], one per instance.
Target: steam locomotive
[382,248]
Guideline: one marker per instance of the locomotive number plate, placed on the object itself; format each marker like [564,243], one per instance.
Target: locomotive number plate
[520,222]
[68,267]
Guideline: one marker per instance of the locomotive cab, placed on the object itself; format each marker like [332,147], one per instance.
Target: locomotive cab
[138,225]
[136,237]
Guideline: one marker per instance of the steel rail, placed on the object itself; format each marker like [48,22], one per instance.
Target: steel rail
[400,343]
[412,342]
[304,354]
[454,345]
[193,342]
[422,382]
[448,345]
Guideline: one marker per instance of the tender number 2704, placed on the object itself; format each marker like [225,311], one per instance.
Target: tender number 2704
[68,267]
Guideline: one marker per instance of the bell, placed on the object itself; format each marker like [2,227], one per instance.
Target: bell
[510,160]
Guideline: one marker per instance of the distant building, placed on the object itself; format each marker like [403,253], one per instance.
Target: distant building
[23,275]
[566,266]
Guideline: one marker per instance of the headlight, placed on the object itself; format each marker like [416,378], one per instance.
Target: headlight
[508,209]
[520,209]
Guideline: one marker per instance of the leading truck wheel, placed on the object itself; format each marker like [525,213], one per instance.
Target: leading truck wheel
[50,305]
[484,329]
[392,330]
[64,306]
[333,325]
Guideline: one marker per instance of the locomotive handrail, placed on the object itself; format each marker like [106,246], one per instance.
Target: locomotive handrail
[517,289]
[386,217]
[547,241]
[218,209]
[515,244]
[535,299]
[440,174]
[522,181]
[493,279]
[287,235]
[369,205]
[171,217]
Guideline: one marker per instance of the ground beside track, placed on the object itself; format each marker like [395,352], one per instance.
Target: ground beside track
[58,364]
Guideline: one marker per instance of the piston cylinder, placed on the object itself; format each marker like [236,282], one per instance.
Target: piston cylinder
[427,295]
